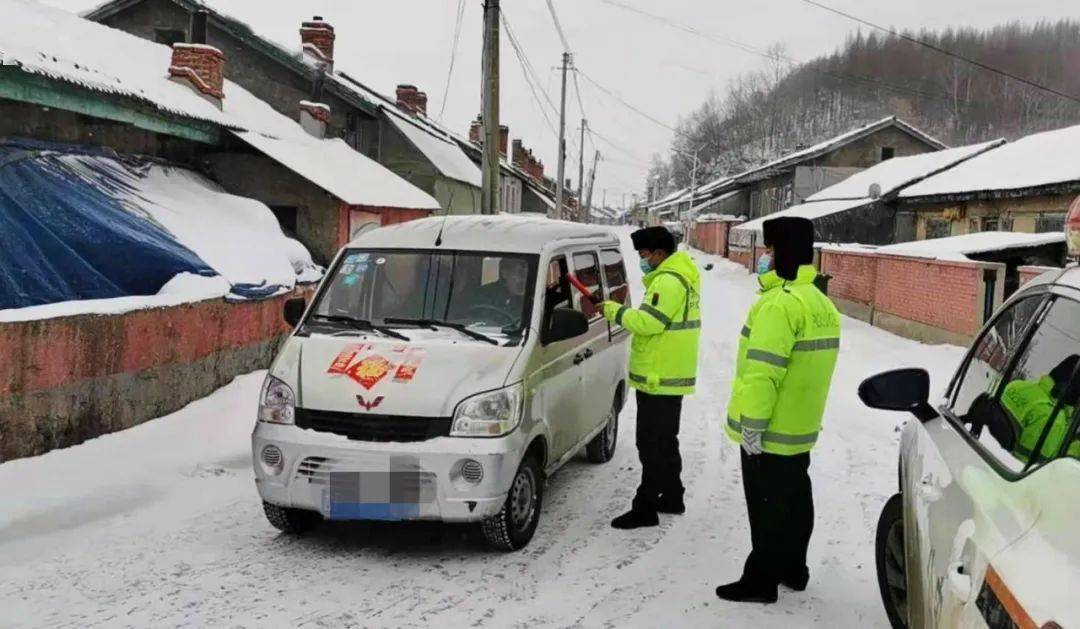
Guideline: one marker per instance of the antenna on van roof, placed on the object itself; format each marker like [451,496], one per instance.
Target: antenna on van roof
[446,214]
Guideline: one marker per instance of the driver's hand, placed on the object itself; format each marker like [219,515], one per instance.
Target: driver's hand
[595,299]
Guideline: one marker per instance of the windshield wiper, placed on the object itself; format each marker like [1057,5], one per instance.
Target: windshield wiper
[361,324]
[432,323]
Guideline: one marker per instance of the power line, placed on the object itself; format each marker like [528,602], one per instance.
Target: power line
[558,26]
[946,52]
[771,56]
[632,108]
[453,56]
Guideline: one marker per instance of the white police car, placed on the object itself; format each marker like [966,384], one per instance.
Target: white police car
[985,531]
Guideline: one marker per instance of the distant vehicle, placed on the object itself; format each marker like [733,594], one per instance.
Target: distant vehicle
[985,531]
[444,369]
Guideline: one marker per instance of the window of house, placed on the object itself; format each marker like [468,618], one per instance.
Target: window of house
[990,224]
[352,130]
[169,36]
[615,275]
[938,228]
[1046,223]
[887,152]
[587,269]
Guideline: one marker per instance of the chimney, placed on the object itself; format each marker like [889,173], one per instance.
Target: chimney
[407,97]
[504,138]
[519,157]
[198,65]
[474,130]
[317,39]
[421,103]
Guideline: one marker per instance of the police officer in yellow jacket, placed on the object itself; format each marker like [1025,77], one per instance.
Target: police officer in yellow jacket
[787,353]
[663,369]
[1031,405]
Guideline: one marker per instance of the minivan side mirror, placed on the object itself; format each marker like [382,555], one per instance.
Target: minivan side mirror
[294,310]
[900,390]
[564,323]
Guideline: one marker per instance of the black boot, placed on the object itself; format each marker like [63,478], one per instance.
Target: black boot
[671,505]
[747,592]
[796,580]
[633,519]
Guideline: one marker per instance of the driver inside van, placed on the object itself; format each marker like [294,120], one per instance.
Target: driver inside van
[507,294]
[1031,403]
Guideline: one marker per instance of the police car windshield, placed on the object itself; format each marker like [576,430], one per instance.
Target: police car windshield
[486,292]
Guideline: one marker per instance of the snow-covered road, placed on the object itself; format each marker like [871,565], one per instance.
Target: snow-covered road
[160,525]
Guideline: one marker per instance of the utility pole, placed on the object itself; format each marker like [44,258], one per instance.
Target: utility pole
[592,180]
[581,167]
[603,202]
[489,190]
[562,141]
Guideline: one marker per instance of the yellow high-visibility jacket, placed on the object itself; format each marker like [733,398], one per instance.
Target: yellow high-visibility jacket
[665,328]
[787,353]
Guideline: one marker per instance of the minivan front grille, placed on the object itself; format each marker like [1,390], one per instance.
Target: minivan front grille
[380,428]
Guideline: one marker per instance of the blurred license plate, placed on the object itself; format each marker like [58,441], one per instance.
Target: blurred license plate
[377,495]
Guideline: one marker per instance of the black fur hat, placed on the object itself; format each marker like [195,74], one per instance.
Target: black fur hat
[653,238]
[792,240]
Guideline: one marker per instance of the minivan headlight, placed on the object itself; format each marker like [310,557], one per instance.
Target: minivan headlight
[277,404]
[491,414]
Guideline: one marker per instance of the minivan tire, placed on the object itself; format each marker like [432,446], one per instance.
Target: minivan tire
[514,525]
[891,561]
[289,520]
[602,447]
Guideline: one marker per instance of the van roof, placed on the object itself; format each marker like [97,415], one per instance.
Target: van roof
[506,233]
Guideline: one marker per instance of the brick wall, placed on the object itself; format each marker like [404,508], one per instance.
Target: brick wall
[1028,273]
[854,275]
[69,379]
[939,301]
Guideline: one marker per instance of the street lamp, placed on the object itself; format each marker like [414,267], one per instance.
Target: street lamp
[693,172]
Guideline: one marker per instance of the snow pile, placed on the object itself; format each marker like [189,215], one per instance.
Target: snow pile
[957,248]
[898,172]
[1041,159]
[444,153]
[238,237]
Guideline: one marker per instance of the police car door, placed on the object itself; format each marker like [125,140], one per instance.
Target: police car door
[1036,579]
[965,506]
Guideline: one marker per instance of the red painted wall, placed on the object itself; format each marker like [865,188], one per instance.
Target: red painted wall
[854,275]
[934,292]
[1028,273]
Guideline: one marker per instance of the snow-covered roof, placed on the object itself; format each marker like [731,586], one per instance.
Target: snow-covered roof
[958,247]
[110,61]
[898,172]
[331,165]
[443,152]
[717,218]
[1042,159]
[811,211]
[669,199]
[511,233]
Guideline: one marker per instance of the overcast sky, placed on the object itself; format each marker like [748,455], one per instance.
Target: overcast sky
[663,71]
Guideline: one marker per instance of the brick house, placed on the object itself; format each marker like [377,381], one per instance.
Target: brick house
[1024,186]
[421,152]
[793,178]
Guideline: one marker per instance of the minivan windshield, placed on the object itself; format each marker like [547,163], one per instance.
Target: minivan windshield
[477,293]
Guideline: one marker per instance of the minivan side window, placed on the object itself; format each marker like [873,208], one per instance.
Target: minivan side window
[557,288]
[1023,406]
[615,274]
[587,269]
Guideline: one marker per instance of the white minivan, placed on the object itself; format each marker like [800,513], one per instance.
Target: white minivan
[985,529]
[443,369]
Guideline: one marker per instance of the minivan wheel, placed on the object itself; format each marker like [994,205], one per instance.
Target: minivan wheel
[602,446]
[891,562]
[514,525]
[288,520]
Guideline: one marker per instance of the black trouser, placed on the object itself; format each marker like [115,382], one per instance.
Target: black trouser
[658,449]
[780,502]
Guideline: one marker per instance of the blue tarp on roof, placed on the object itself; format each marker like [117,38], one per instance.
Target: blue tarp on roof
[63,238]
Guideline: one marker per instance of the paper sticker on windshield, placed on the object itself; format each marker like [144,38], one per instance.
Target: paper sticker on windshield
[406,371]
[344,359]
[369,371]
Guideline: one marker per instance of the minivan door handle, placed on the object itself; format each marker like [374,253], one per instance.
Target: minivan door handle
[579,358]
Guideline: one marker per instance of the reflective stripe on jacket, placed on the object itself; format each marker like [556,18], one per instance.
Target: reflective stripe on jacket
[1030,403]
[665,328]
[787,353]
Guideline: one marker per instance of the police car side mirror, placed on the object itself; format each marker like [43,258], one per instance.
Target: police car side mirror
[899,390]
[294,311]
[563,324]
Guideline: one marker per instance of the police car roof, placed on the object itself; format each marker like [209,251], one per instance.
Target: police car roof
[503,233]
